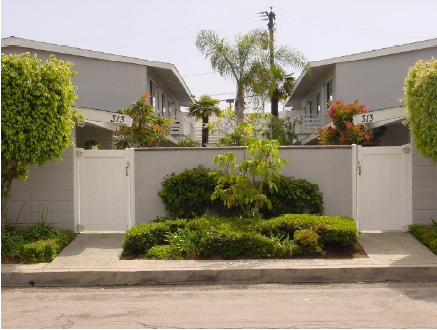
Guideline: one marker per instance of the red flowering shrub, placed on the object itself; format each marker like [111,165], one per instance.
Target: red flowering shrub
[343,131]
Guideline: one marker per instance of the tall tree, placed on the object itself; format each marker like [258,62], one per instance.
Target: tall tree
[273,81]
[233,61]
[204,108]
[37,115]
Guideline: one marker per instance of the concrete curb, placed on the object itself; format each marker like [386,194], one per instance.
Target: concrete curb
[214,276]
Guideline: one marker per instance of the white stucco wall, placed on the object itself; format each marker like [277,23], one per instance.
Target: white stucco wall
[424,189]
[50,187]
[329,167]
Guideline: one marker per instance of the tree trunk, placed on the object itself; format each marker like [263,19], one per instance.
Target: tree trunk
[205,131]
[239,105]
[6,193]
[274,105]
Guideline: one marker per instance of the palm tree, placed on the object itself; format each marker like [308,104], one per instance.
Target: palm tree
[204,108]
[233,61]
[271,80]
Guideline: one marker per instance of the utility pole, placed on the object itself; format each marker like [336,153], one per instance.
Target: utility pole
[271,17]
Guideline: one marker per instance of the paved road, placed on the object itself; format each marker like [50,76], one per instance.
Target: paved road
[386,305]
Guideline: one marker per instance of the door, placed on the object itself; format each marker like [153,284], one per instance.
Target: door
[104,190]
[384,188]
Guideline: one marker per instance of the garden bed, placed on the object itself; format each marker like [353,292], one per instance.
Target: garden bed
[215,238]
[37,243]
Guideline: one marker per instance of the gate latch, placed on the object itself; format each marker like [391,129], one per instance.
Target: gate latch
[127,168]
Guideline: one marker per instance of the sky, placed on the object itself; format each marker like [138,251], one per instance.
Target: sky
[166,30]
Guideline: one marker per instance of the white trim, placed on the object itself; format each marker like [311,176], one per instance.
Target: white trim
[354,180]
[358,185]
[409,182]
[76,162]
[93,115]
[132,188]
[127,184]
[387,115]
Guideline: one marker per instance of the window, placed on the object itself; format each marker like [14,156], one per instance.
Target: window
[318,106]
[312,112]
[329,95]
[152,93]
[164,105]
[170,108]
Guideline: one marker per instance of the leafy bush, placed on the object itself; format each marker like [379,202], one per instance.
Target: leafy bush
[139,239]
[159,252]
[37,243]
[332,230]
[307,241]
[12,242]
[40,231]
[425,235]
[188,141]
[294,196]
[230,238]
[183,243]
[41,251]
[231,244]
[89,144]
[188,194]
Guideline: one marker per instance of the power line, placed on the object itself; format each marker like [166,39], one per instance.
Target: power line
[151,44]
[359,28]
[365,33]
[163,30]
[199,74]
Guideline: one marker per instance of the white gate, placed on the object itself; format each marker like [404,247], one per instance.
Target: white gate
[102,190]
[384,188]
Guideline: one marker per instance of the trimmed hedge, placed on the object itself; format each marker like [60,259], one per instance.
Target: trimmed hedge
[139,239]
[232,244]
[425,235]
[159,252]
[41,251]
[212,236]
[188,194]
[332,230]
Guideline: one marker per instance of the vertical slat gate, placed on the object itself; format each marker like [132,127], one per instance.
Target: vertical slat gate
[383,198]
[104,190]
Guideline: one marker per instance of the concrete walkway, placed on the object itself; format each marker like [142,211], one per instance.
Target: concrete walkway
[93,259]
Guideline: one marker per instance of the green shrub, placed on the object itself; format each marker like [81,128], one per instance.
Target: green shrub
[433,246]
[425,235]
[41,251]
[159,252]
[12,242]
[232,244]
[306,241]
[331,229]
[139,239]
[183,243]
[188,141]
[39,231]
[294,196]
[188,194]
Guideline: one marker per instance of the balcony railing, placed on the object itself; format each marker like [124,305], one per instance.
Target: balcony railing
[308,123]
